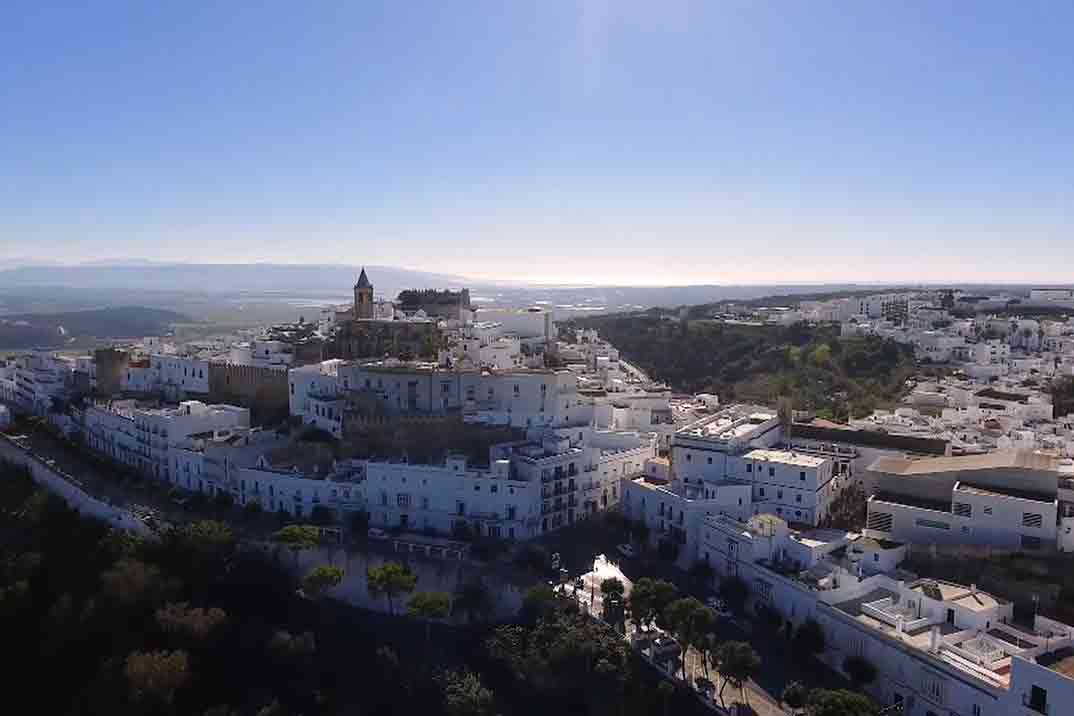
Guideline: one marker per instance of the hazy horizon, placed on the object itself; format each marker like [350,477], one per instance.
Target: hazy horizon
[578,143]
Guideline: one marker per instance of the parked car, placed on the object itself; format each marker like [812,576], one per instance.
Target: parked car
[626,550]
[377,534]
[719,606]
[665,646]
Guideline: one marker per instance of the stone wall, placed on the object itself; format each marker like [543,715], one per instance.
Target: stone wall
[261,389]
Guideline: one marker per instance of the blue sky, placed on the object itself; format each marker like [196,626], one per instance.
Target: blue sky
[626,142]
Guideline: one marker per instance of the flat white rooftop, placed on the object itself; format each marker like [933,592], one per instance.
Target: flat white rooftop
[785,457]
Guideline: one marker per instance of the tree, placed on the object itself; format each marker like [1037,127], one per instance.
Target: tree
[196,623]
[210,540]
[131,581]
[785,410]
[691,622]
[285,645]
[157,674]
[666,691]
[430,606]
[252,509]
[736,662]
[611,593]
[472,598]
[640,531]
[358,522]
[390,579]
[648,599]
[465,695]
[860,671]
[734,591]
[321,579]
[702,573]
[297,538]
[537,602]
[823,702]
[795,695]
[322,515]
[808,640]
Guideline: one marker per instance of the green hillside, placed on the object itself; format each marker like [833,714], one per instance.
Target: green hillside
[810,365]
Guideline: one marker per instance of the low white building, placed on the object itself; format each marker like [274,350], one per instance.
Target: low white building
[36,380]
[144,437]
[315,395]
[1008,500]
[173,376]
[554,478]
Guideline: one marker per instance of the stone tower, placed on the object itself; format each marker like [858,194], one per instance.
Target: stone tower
[363,297]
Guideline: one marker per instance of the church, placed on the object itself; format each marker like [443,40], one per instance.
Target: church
[378,330]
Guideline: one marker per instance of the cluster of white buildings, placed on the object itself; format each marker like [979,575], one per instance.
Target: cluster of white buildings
[32,382]
[939,648]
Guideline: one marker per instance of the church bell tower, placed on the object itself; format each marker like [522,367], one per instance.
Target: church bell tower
[363,297]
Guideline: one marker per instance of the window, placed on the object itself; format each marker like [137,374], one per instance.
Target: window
[987,510]
[798,498]
[962,509]
[689,457]
[760,492]
[749,467]
[975,710]
[801,476]
[494,488]
[710,461]
[1029,542]
[779,494]
[424,503]
[933,524]
[460,508]
[880,521]
[402,500]
[1037,700]
[1031,519]
[771,472]
[384,499]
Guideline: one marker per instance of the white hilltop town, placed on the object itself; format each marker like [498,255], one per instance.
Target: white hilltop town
[502,425]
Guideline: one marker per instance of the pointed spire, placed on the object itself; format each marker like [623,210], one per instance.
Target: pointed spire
[363,280]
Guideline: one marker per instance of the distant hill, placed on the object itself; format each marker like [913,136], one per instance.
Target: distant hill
[53,330]
[227,278]
[810,365]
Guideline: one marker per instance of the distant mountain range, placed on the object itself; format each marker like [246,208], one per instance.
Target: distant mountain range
[223,278]
[54,330]
[262,292]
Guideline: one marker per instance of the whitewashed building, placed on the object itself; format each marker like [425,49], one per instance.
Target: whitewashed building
[553,478]
[1009,500]
[939,648]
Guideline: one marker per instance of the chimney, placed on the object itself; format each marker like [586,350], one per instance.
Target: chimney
[934,640]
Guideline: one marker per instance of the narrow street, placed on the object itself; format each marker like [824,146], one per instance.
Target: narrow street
[757,697]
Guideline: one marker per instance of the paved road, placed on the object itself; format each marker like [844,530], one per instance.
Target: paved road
[760,697]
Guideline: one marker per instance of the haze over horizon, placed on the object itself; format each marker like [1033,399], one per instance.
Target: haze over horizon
[569,142]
